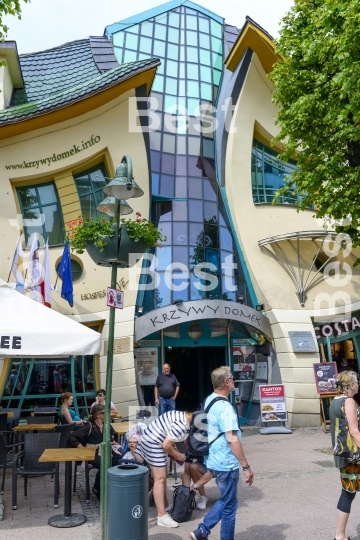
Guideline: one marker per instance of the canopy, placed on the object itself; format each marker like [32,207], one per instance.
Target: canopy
[30,329]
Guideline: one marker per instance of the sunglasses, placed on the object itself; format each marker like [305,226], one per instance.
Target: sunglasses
[100,395]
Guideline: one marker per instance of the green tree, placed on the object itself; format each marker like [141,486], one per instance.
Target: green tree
[317,91]
[9,7]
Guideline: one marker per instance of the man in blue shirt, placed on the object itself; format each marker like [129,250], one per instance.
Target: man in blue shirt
[223,460]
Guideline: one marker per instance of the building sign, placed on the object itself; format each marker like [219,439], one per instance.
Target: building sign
[147,365]
[244,362]
[122,284]
[303,342]
[162,318]
[335,329]
[247,341]
[325,377]
[273,403]
[115,298]
[148,343]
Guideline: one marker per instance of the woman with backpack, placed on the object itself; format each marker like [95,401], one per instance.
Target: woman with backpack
[157,440]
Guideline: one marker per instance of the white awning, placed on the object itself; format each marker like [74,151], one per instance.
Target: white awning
[30,329]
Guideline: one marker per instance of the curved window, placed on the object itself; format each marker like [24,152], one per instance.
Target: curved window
[268,174]
[90,185]
[76,269]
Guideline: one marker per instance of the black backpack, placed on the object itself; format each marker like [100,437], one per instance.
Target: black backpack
[198,442]
[183,504]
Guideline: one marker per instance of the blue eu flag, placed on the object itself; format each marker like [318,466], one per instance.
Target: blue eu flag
[66,276]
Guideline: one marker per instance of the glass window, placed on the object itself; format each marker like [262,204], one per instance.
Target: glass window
[181,187]
[131,41]
[130,56]
[41,208]
[166,228]
[204,41]
[191,38]
[174,19]
[225,239]
[162,293]
[173,35]
[133,29]
[172,68]
[216,45]
[196,234]
[181,165]
[184,294]
[171,86]
[182,53]
[268,174]
[173,51]
[210,190]
[161,19]
[167,185]
[159,48]
[192,71]
[168,164]
[217,61]
[208,147]
[182,70]
[161,67]
[90,185]
[212,256]
[216,76]
[204,25]
[179,210]
[216,28]
[158,84]
[76,269]
[195,294]
[205,92]
[145,44]
[192,54]
[211,232]
[119,54]
[181,255]
[191,22]
[160,31]
[193,91]
[194,146]
[155,140]
[180,233]
[195,188]
[164,211]
[118,39]
[155,183]
[205,57]
[182,88]
[210,210]
[164,256]
[194,168]
[205,74]
[169,102]
[169,143]
[196,210]
[155,161]
[147,28]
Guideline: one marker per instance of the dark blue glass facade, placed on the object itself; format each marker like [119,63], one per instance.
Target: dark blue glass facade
[187,204]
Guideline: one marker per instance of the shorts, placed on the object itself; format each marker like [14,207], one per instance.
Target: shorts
[196,459]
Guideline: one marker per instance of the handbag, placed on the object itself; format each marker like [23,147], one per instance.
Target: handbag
[92,445]
[345,446]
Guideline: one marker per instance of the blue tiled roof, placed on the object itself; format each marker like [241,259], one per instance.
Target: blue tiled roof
[84,88]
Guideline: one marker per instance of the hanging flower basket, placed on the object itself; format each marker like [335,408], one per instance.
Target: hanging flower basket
[106,245]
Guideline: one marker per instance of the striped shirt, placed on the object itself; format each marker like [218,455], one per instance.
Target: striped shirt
[172,424]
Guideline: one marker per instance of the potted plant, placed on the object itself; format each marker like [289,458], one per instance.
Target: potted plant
[107,243]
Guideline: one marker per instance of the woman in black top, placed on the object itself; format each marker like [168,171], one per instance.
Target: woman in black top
[92,433]
[347,385]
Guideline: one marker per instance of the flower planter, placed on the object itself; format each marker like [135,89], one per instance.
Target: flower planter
[115,253]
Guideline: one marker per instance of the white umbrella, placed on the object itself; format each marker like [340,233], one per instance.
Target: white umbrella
[30,329]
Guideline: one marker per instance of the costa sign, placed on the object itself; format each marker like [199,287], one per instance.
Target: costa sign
[336,329]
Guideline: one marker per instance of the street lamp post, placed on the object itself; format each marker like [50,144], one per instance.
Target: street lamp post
[121,187]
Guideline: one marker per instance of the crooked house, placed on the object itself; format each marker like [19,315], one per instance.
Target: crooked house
[238,281]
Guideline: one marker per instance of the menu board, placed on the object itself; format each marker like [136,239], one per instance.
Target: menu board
[244,361]
[273,403]
[325,377]
[147,363]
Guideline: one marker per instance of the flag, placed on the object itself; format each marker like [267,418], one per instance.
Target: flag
[16,267]
[66,276]
[35,271]
[45,283]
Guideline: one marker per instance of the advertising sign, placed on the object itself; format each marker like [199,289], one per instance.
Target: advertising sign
[325,377]
[115,298]
[147,363]
[244,362]
[272,403]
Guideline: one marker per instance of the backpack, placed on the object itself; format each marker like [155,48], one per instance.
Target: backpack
[183,504]
[198,442]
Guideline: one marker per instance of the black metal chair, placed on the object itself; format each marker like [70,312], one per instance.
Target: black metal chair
[40,419]
[34,445]
[6,457]
[4,426]
[65,431]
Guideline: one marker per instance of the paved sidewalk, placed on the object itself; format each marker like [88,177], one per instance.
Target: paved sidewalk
[294,497]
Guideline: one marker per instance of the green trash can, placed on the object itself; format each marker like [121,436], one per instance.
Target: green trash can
[128,502]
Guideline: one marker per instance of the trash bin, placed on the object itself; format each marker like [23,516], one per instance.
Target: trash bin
[128,502]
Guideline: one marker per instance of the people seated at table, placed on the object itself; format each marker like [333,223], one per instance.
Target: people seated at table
[69,415]
[100,399]
[92,434]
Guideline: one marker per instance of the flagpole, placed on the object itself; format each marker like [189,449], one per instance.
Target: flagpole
[17,243]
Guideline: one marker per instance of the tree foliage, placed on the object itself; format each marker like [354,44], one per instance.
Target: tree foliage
[9,7]
[317,90]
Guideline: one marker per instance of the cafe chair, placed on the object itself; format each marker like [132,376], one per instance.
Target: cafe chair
[4,426]
[88,468]
[5,458]
[40,420]
[65,431]
[34,446]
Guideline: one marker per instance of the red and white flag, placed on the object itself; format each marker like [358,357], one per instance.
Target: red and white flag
[45,273]
[35,271]
[17,266]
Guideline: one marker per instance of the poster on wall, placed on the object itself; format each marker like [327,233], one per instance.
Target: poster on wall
[147,363]
[325,377]
[273,403]
[244,361]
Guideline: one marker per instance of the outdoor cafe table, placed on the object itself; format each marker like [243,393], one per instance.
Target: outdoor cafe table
[121,428]
[21,428]
[67,519]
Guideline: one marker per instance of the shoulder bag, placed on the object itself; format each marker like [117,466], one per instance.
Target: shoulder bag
[91,445]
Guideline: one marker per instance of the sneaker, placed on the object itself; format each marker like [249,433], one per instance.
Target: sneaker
[169,509]
[202,503]
[167,521]
[198,535]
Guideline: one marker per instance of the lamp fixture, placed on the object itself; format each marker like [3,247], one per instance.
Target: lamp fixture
[177,302]
[139,309]
[123,185]
[109,205]
[260,307]
[240,299]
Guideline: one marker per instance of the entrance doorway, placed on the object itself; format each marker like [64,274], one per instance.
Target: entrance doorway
[192,367]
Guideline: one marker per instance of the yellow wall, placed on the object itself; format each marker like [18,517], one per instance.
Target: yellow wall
[110,123]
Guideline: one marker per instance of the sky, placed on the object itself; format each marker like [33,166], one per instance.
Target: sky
[48,23]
